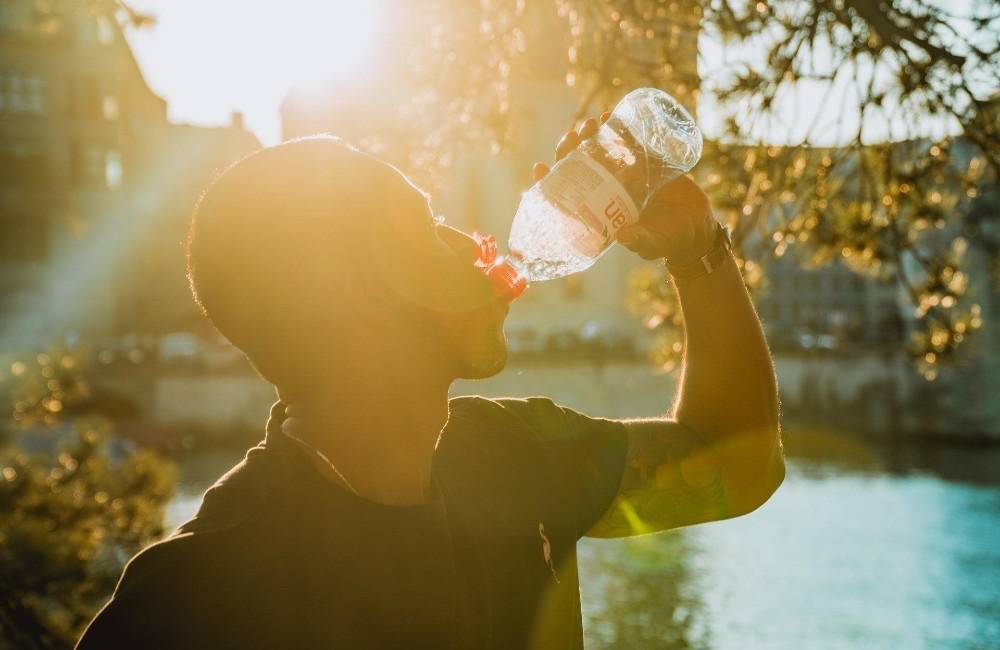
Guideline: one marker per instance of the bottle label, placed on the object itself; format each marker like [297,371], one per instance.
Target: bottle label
[599,201]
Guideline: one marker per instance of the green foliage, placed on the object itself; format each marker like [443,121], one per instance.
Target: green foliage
[75,502]
[917,133]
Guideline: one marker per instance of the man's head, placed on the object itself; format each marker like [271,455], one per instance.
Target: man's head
[318,261]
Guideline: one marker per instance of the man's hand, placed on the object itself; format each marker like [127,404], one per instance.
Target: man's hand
[676,223]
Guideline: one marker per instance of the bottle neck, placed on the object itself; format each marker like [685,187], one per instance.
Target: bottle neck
[508,276]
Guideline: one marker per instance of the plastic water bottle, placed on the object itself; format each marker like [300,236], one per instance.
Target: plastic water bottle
[572,216]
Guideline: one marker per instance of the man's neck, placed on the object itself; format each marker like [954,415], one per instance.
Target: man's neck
[381,439]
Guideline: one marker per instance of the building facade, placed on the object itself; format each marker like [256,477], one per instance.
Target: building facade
[95,183]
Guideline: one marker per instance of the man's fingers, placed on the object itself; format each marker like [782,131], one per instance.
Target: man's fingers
[628,237]
[604,116]
[538,171]
[571,139]
[567,144]
[649,245]
[588,129]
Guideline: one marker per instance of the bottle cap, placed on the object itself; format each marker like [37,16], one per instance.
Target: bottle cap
[503,275]
[507,279]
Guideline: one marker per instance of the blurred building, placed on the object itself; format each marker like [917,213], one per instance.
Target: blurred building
[95,184]
[828,308]
[831,308]
[965,397]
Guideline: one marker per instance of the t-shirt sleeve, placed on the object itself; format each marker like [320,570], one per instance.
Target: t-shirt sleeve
[150,606]
[130,618]
[570,461]
[597,462]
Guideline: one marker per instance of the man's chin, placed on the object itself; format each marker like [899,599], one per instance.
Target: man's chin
[485,362]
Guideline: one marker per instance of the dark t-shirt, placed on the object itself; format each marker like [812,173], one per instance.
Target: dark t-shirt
[280,557]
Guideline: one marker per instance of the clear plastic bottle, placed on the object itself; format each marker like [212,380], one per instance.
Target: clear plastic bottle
[572,216]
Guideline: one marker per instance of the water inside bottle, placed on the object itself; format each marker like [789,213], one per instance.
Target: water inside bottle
[538,242]
[566,221]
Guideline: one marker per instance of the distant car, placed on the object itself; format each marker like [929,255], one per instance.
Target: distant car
[591,331]
[179,346]
[524,340]
[126,348]
[562,341]
[826,342]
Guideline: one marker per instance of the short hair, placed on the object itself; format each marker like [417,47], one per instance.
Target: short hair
[270,236]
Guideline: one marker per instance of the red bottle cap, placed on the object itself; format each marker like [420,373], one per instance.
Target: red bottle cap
[505,278]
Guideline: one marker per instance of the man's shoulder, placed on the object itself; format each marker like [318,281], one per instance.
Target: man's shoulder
[514,410]
[180,592]
[533,418]
[238,496]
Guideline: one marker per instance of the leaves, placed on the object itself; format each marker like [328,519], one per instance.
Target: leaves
[75,501]
[902,173]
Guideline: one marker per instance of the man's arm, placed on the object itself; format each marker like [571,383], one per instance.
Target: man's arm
[719,455]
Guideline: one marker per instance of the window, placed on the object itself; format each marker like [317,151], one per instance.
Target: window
[21,93]
[13,93]
[105,31]
[113,169]
[110,108]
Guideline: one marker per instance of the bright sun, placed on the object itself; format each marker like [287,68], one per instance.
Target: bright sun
[323,41]
[208,59]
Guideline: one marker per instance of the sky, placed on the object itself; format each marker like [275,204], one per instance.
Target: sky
[208,59]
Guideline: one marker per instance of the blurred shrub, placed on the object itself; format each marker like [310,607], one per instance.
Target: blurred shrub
[75,501]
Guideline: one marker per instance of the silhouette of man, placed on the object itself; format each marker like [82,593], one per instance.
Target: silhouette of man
[377,513]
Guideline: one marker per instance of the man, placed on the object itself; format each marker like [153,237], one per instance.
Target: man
[379,514]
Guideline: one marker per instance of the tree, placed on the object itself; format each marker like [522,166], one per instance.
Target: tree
[893,185]
[75,501]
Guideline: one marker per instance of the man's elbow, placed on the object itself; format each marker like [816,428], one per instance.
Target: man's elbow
[757,488]
[772,481]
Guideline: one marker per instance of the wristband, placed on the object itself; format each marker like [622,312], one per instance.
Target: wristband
[708,262]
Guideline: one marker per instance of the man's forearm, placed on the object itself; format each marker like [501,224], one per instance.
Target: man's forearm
[728,392]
